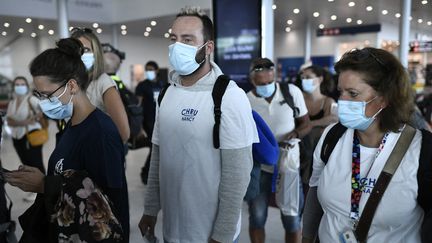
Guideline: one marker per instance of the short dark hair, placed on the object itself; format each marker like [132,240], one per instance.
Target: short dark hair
[208,29]
[327,86]
[260,63]
[62,63]
[153,64]
[386,75]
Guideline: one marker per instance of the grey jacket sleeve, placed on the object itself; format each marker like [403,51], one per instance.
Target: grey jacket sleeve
[312,215]
[152,195]
[235,175]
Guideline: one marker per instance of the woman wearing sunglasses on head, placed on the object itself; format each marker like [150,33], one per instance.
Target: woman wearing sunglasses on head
[90,144]
[372,186]
[102,90]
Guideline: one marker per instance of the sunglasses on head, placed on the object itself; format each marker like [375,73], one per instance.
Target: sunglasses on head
[362,54]
[262,67]
[81,29]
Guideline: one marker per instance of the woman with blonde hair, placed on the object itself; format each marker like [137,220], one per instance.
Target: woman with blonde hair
[102,90]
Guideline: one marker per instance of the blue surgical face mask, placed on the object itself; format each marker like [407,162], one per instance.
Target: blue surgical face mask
[88,60]
[266,90]
[54,109]
[151,75]
[182,57]
[308,85]
[352,114]
[21,89]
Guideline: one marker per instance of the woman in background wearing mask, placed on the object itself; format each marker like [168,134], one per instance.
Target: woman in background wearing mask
[374,106]
[102,90]
[90,142]
[316,84]
[22,118]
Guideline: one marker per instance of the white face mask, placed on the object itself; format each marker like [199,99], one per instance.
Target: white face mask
[308,85]
[55,109]
[21,89]
[88,60]
[352,114]
[151,75]
[182,57]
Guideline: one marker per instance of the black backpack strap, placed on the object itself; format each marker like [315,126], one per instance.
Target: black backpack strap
[218,91]
[162,93]
[424,173]
[330,141]
[288,98]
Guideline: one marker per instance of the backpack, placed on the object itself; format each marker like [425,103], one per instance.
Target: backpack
[424,173]
[218,91]
[133,109]
[288,98]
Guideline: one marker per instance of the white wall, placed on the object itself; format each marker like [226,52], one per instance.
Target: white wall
[292,44]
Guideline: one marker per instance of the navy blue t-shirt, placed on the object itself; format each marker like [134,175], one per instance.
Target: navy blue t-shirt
[95,145]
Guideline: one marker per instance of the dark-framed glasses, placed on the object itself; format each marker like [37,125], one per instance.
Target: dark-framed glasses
[49,96]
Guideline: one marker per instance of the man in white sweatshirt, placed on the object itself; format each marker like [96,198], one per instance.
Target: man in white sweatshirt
[198,188]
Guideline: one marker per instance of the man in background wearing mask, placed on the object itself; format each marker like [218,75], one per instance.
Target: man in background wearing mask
[267,99]
[199,188]
[147,92]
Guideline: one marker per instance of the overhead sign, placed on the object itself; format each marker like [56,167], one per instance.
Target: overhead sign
[351,30]
[420,46]
[238,36]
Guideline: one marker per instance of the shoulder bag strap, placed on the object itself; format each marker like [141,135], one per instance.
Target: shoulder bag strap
[331,139]
[383,180]
[288,98]
[162,93]
[218,91]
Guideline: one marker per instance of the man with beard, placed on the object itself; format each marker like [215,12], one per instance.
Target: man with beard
[198,188]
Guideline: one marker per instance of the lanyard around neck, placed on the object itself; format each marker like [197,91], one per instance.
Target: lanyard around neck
[356,186]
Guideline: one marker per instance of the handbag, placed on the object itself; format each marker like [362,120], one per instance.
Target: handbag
[39,136]
[288,181]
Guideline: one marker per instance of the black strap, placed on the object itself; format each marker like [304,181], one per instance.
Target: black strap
[288,98]
[383,181]
[162,93]
[424,173]
[218,91]
[331,140]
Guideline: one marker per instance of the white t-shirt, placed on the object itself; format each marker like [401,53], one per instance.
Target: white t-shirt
[398,217]
[190,167]
[278,114]
[97,88]
[21,113]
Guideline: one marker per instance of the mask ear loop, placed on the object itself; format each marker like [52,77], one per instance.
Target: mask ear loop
[199,48]
[63,92]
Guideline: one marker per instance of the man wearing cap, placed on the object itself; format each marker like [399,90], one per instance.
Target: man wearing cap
[198,188]
[268,100]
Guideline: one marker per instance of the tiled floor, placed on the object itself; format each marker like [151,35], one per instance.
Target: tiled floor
[135,160]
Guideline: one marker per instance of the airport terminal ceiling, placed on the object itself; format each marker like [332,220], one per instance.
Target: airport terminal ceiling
[135,16]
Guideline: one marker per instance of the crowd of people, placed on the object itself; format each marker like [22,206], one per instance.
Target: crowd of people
[323,159]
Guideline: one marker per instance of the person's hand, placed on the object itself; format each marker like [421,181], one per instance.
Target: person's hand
[27,178]
[292,134]
[147,224]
